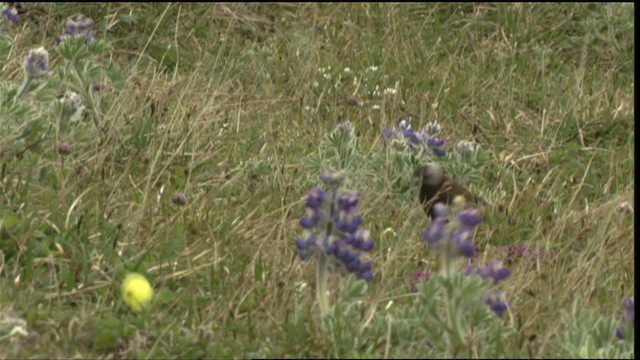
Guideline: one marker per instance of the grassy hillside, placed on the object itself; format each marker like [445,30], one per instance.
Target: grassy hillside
[232,105]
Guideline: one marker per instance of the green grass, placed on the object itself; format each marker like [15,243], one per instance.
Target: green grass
[220,104]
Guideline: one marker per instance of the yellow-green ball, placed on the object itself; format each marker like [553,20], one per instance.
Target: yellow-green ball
[136,291]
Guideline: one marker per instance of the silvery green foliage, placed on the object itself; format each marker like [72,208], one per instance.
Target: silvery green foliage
[31,111]
[338,150]
[587,335]
[466,162]
[343,143]
[400,163]
[79,75]
[71,107]
[446,318]
[351,336]
[404,149]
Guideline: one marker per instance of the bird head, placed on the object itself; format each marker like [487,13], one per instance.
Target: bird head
[430,174]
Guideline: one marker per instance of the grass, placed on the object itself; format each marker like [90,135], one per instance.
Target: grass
[219,103]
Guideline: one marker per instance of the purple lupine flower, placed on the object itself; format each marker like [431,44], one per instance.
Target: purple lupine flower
[494,270]
[314,213]
[456,234]
[411,136]
[335,229]
[630,315]
[316,197]
[434,232]
[79,25]
[466,248]
[439,152]
[440,210]
[496,301]
[470,218]
[436,145]
[417,140]
[306,248]
[36,64]
[10,14]
[386,134]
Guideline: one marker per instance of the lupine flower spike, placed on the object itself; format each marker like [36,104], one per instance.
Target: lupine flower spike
[79,25]
[8,15]
[422,140]
[332,234]
[36,65]
[451,235]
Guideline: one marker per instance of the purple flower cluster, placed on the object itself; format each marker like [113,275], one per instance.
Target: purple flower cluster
[496,301]
[417,276]
[512,253]
[345,127]
[337,236]
[36,64]
[98,87]
[79,25]
[630,315]
[423,139]
[494,270]
[179,198]
[9,15]
[64,148]
[451,234]
[455,234]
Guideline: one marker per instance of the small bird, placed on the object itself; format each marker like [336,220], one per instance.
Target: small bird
[436,187]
